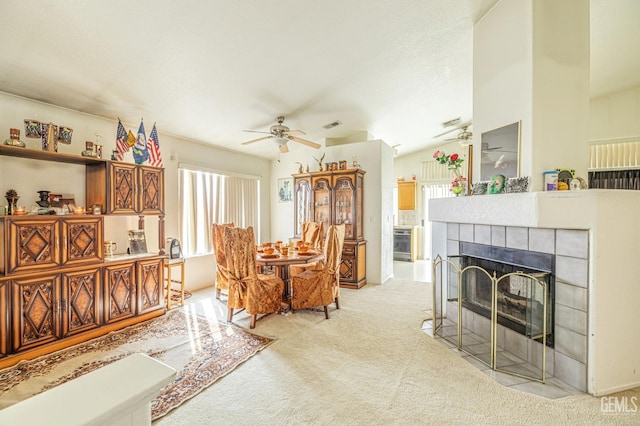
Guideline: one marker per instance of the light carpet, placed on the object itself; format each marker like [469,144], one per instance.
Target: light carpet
[201,350]
[369,364]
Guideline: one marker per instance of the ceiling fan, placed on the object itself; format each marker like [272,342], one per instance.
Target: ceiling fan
[464,137]
[281,134]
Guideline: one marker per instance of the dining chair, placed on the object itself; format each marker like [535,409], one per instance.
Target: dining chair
[321,287]
[313,234]
[257,293]
[217,235]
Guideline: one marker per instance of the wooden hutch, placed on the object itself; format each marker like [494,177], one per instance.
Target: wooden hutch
[57,288]
[334,197]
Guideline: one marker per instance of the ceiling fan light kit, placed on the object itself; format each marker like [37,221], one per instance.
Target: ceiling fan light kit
[281,134]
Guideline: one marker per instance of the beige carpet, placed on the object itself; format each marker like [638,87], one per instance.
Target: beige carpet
[201,350]
[370,364]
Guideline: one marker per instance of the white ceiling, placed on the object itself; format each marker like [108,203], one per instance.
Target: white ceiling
[206,70]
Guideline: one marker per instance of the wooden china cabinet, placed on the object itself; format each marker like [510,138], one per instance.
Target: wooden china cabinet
[335,197]
[56,287]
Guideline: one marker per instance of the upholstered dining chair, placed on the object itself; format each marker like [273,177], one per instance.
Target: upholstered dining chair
[314,288]
[217,235]
[257,293]
[313,234]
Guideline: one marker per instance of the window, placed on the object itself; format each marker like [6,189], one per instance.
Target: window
[210,197]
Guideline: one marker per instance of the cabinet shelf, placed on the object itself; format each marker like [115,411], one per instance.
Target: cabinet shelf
[35,154]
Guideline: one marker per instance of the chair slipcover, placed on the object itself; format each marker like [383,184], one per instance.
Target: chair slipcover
[217,235]
[312,233]
[321,287]
[257,293]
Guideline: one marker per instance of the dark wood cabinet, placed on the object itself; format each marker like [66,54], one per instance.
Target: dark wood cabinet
[81,301]
[56,288]
[135,189]
[54,306]
[42,242]
[119,292]
[35,311]
[335,197]
[150,289]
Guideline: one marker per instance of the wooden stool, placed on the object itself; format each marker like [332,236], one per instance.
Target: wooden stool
[169,264]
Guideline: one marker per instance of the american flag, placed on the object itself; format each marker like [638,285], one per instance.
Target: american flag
[121,142]
[155,157]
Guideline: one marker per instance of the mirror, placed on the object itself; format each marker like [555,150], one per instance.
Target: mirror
[501,152]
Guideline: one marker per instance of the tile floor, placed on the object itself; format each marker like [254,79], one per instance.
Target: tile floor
[553,388]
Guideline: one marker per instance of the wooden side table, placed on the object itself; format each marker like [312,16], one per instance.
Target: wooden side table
[170,280]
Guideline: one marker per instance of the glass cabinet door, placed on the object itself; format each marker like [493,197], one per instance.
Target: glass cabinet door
[344,211]
[302,205]
[322,202]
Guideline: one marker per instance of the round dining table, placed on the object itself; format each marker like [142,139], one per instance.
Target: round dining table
[281,263]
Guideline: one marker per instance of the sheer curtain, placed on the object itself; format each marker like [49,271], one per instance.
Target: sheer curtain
[208,197]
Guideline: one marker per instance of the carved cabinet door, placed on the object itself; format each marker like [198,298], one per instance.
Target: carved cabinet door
[122,188]
[80,304]
[151,196]
[33,244]
[35,311]
[150,285]
[82,240]
[119,292]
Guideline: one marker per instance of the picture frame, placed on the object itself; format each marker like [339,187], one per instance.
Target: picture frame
[32,129]
[285,190]
[500,150]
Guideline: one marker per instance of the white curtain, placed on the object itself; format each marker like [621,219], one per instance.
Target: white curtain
[428,192]
[207,198]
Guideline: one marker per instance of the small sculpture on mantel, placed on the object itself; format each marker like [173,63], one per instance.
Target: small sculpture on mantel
[300,170]
[307,168]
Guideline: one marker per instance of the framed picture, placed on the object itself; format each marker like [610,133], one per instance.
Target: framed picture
[285,190]
[32,129]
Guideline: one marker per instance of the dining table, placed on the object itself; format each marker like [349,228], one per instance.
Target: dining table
[282,262]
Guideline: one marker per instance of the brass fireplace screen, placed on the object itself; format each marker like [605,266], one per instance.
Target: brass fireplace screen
[518,298]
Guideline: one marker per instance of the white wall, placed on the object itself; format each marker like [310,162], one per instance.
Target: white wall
[615,116]
[531,63]
[29,176]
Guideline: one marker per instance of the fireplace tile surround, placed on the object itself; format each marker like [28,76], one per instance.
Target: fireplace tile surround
[567,361]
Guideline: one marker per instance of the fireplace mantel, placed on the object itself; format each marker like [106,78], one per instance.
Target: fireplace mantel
[557,209]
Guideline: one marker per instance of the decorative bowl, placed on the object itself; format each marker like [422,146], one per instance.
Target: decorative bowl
[268,250]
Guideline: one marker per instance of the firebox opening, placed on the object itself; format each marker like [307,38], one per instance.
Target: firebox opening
[519,304]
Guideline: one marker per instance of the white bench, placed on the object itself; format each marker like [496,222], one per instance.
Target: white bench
[117,394]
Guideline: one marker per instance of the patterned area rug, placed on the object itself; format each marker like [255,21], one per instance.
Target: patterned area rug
[201,350]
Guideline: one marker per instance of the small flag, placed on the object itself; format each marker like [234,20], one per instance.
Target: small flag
[155,156]
[140,152]
[121,142]
[131,139]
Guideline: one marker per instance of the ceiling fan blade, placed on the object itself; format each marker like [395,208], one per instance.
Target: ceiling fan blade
[284,148]
[294,132]
[257,131]
[453,129]
[305,142]
[255,140]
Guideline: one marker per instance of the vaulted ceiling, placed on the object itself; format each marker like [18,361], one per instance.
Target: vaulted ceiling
[207,70]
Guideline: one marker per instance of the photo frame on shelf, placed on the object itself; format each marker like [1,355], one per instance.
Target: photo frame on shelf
[137,241]
[285,190]
[32,129]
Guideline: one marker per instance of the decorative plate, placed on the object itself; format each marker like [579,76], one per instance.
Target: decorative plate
[270,256]
[575,184]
